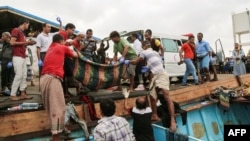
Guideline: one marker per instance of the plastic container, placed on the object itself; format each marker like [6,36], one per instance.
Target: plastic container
[30,106]
[19,107]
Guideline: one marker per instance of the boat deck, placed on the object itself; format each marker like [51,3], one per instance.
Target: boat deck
[5,101]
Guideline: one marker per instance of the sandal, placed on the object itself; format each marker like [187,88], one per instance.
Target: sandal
[22,97]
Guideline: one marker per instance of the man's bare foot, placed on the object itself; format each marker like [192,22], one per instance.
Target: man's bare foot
[24,96]
[14,98]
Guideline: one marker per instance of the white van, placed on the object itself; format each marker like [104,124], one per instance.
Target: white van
[171,46]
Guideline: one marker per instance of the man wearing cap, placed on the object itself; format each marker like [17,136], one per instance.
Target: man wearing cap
[187,49]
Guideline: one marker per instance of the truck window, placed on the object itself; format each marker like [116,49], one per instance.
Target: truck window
[169,45]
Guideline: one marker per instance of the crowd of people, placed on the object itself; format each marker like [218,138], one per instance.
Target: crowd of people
[56,53]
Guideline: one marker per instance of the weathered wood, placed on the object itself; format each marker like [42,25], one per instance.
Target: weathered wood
[120,111]
[12,123]
[245,78]
[193,92]
[27,122]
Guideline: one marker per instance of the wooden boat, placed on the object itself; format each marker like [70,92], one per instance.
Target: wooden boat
[27,124]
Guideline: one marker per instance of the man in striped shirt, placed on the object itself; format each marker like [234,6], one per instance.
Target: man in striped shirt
[159,82]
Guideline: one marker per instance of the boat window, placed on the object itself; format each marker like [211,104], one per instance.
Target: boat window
[170,45]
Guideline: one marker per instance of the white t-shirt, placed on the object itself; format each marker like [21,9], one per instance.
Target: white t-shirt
[137,46]
[44,41]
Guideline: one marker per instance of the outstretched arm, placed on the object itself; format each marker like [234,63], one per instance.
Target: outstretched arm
[136,61]
[126,106]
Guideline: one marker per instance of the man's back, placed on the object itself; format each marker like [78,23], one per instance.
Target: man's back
[142,119]
[113,128]
[153,59]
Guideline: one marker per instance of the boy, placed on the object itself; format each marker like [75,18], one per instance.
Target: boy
[159,82]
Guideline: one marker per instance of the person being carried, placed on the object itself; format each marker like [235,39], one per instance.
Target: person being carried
[159,82]
[111,127]
[141,115]
[50,84]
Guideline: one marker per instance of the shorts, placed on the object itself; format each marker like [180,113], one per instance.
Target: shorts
[204,62]
[131,69]
[160,81]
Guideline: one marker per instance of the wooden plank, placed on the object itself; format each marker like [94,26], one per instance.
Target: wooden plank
[120,111]
[193,92]
[27,122]
[245,78]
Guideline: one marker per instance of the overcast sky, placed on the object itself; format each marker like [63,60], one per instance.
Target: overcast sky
[211,17]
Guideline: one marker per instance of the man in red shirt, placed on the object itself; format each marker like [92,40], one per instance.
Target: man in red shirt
[187,48]
[19,43]
[69,30]
[50,83]
[68,62]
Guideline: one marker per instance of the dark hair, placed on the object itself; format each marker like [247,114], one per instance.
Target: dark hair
[44,25]
[190,37]
[140,104]
[200,34]
[89,30]
[69,26]
[108,107]
[149,31]
[146,42]
[23,20]
[114,34]
[57,38]
[135,35]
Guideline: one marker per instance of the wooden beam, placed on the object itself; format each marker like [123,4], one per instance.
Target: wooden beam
[120,111]
[27,122]
[193,92]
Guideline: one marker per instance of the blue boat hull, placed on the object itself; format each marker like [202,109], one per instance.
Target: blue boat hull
[207,123]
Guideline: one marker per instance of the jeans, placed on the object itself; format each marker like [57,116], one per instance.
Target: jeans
[189,69]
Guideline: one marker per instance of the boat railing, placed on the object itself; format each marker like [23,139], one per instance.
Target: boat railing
[162,133]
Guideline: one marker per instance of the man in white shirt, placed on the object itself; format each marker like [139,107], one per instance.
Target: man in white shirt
[138,49]
[44,40]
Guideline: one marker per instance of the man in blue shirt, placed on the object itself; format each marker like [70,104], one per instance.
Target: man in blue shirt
[204,56]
